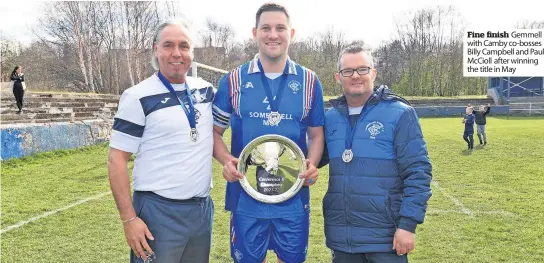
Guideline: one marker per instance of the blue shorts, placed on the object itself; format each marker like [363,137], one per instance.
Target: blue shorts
[251,238]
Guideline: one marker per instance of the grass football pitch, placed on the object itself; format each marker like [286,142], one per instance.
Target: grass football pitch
[487,205]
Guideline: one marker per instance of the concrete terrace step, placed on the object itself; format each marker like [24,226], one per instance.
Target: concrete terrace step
[53,110]
[26,115]
[13,109]
[61,104]
[4,122]
[70,95]
[40,115]
[76,119]
[55,107]
[95,109]
[65,100]
[94,115]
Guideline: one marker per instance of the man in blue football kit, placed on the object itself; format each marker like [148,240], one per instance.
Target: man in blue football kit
[246,97]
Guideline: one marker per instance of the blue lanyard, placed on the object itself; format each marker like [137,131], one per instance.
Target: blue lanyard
[190,113]
[350,133]
[274,101]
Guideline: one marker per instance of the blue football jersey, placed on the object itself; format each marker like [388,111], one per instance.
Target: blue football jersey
[241,102]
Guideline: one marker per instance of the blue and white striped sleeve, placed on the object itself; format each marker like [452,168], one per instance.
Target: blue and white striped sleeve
[317,114]
[128,125]
[222,107]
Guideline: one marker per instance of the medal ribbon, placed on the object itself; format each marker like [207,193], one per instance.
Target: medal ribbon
[190,113]
[274,103]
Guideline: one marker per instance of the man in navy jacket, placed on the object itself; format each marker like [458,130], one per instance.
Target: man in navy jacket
[379,169]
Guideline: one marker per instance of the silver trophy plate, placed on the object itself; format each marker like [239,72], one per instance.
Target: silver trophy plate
[271,165]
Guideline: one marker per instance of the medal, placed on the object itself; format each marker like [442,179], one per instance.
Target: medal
[274,118]
[347,155]
[188,109]
[193,134]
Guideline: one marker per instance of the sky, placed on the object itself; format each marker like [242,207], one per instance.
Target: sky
[370,21]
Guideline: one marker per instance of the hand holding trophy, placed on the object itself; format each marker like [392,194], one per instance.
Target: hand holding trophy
[271,165]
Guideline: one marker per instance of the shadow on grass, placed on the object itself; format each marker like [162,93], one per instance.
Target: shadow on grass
[480,147]
[466,152]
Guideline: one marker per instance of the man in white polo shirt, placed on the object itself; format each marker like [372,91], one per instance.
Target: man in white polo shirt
[166,120]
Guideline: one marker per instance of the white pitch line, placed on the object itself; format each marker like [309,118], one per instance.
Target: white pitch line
[440,211]
[453,199]
[500,213]
[22,223]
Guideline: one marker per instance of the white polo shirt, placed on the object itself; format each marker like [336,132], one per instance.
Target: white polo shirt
[151,123]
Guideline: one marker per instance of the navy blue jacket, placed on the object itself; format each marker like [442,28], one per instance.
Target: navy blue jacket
[469,122]
[387,184]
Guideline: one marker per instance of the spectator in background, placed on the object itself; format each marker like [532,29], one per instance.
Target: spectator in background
[481,121]
[468,134]
[18,79]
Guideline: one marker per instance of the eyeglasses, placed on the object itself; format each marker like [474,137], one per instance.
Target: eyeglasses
[349,71]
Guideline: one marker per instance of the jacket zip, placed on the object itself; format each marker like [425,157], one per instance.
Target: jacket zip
[364,112]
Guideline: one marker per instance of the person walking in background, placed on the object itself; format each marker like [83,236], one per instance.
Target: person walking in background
[18,79]
[480,119]
[468,134]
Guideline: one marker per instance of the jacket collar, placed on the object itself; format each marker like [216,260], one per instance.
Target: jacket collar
[383,93]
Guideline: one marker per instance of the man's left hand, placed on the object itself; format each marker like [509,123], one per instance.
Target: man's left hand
[404,241]
[310,175]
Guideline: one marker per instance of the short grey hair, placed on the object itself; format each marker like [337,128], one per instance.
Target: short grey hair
[355,50]
[176,22]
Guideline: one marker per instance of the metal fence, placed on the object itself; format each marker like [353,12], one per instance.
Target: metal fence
[526,108]
[208,73]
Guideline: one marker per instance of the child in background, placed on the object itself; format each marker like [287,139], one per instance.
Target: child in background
[468,135]
[481,121]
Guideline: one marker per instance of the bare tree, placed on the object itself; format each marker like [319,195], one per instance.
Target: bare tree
[9,50]
[74,14]
[530,24]
[217,44]
[428,56]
